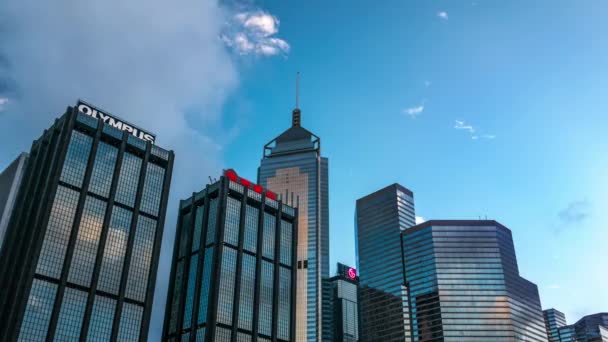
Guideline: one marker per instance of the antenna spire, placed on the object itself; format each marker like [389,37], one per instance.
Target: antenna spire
[295,115]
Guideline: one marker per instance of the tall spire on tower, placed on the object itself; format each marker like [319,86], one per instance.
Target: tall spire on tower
[296,114]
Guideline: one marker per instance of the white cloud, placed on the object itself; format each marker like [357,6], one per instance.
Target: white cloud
[554,286]
[251,33]
[413,112]
[463,126]
[420,219]
[443,15]
[3,102]
[488,136]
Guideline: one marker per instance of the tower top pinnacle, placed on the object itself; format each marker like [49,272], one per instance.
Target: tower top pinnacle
[296,114]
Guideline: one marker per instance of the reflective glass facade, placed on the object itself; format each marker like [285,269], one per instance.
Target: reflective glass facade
[293,168]
[592,328]
[344,301]
[379,220]
[554,319]
[93,202]
[232,268]
[464,285]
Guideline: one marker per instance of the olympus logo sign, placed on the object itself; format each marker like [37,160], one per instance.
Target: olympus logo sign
[115,122]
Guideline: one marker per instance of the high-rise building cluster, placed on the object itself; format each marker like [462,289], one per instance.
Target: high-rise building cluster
[82,223]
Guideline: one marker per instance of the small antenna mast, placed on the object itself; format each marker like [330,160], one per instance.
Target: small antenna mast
[298,89]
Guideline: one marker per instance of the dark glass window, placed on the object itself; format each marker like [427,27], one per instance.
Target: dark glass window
[269,235]
[103,169]
[222,334]
[265,307]
[242,337]
[200,335]
[226,288]
[185,234]
[233,214]
[102,317]
[284,304]
[177,295]
[251,229]
[128,179]
[130,322]
[71,315]
[153,188]
[212,221]
[198,226]
[139,270]
[115,249]
[205,286]
[57,233]
[286,241]
[247,292]
[189,305]
[87,241]
[38,311]
[76,159]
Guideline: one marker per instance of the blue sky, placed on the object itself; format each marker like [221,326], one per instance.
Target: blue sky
[482,108]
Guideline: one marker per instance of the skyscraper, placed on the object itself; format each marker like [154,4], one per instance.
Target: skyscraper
[592,328]
[10,180]
[380,218]
[344,301]
[554,319]
[464,284]
[233,266]
[292,167]
[84,239]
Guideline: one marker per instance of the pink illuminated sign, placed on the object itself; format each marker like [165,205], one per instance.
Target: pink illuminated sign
[352,273]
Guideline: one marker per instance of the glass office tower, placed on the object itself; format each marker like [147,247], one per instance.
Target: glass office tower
[344,301]
[84,239]
[10,180]
[554,319]
[380,218]
[464,284]
[592,328]
[292,167]
[233,266]
[567,334]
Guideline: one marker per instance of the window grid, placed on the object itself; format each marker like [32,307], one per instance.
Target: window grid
[38,311]
[141,259]
[185,235]
[200,335]
[87,241]
[153,188]
[284,318]
[243,337]
[128,179]
[269,235]
[198,226]
[212,221]
[247,292]
[251,229]
[130,322]
[103,169]
[115,249]
[190,292]
[265,307]
[205,286]
[231,225]
[76,158]
[177,295]
[286,240]
[71,315]
[57,233]
[226,288]
[222,334]
[102,317]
